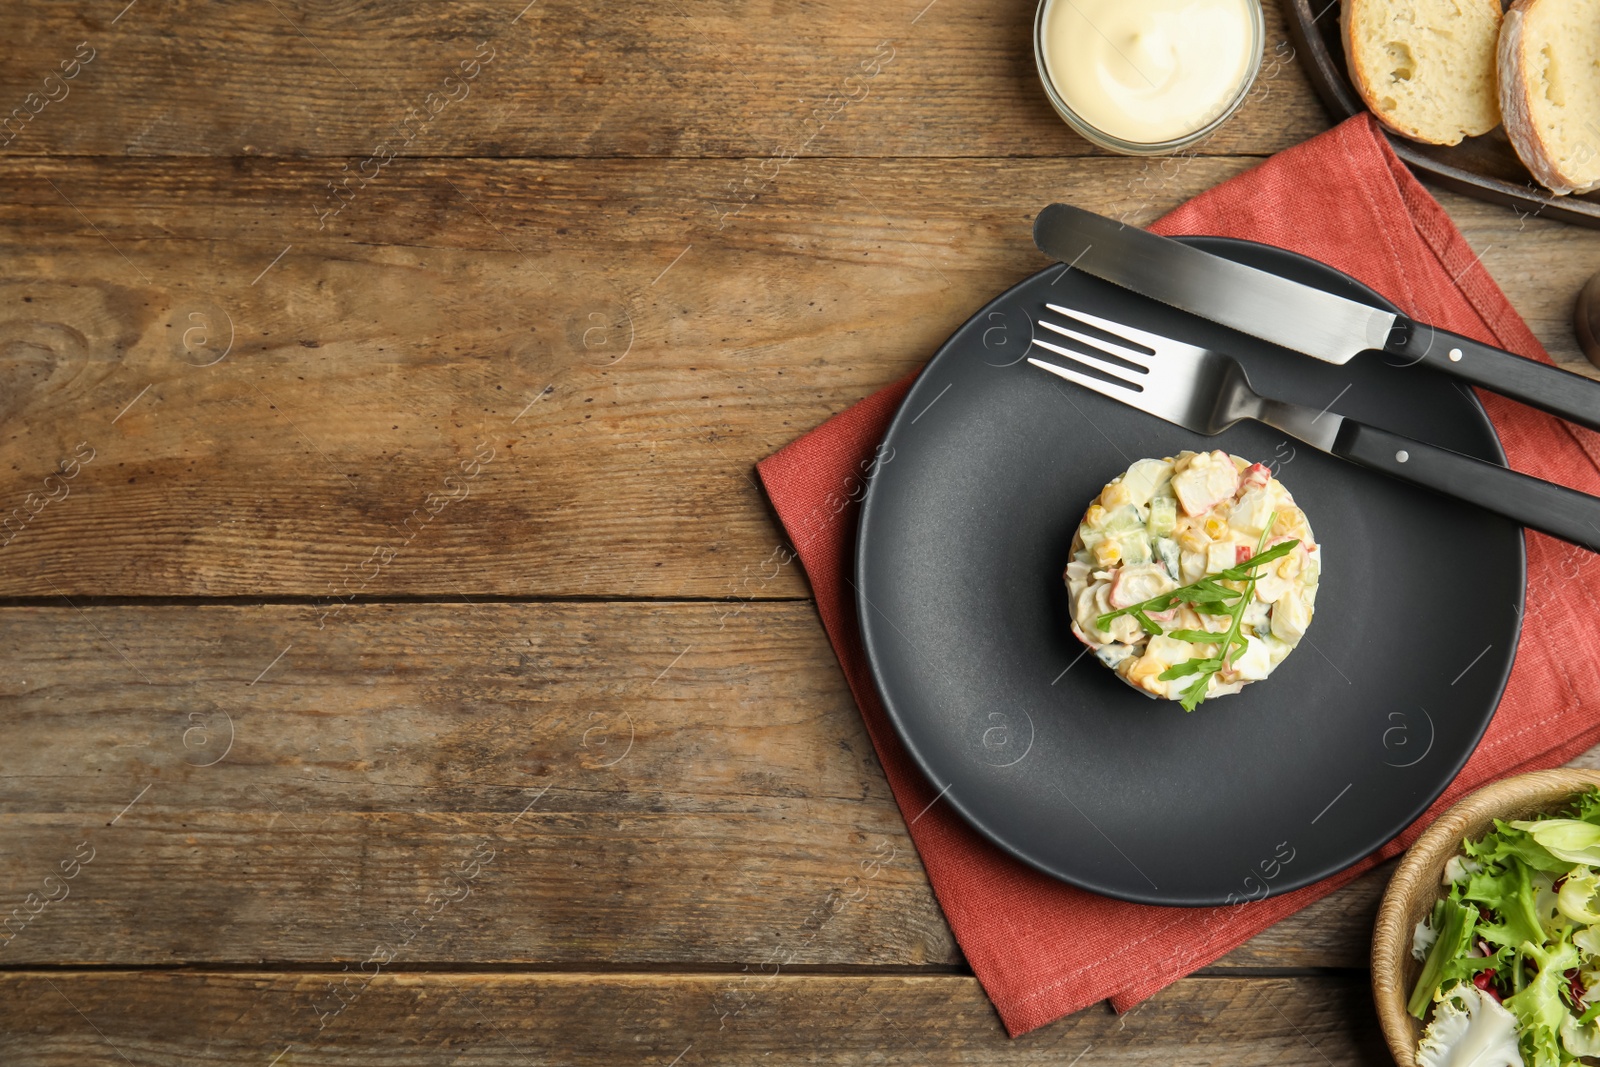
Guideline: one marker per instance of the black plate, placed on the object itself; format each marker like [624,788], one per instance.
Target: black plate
[1484,167]
[965,532]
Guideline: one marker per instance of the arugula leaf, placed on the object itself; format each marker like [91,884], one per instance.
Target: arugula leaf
[1208,596]
[1209,590]
[1196,692]
[1244,571]
[1190,666]
[1195,695]
[1198,637]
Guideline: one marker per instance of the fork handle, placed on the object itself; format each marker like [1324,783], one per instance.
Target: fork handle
[1553,509]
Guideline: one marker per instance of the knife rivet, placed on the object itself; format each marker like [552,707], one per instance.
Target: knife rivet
[1455,355]
[1402,455]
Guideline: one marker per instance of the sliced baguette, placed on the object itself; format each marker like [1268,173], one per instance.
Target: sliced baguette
[1426,68]
[1550,90]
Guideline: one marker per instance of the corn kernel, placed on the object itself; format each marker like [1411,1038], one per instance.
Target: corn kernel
[1215,527]
[1107,552]
[1289,566]
[1289,519]
[1115,496]
[1096,515]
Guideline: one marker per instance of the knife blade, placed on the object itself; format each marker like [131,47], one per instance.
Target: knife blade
[1296,316]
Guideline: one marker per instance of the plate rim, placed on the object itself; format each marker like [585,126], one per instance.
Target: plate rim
[863,605]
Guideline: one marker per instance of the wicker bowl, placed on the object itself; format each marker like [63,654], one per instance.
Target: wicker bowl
[1417,884]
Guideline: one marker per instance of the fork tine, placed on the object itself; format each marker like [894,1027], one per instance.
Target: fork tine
[1154,342]
[1100,346]
[1098,362]
[1121,394]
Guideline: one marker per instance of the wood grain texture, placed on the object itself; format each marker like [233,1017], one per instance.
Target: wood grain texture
[284,319]
[653,783]
[711,790]
[561,78]
[190,1020]
[661,356]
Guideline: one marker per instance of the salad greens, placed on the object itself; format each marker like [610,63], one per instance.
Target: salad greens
[1208,596]
[1520,926]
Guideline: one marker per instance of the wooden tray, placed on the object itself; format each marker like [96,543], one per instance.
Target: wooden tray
[1485,167]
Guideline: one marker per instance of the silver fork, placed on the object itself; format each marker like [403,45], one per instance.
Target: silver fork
[1207,392]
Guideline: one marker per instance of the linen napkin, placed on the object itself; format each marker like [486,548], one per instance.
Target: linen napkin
[1042,949]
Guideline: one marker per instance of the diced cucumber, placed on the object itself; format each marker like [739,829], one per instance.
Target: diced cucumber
[1090,537]
[1135,547]
[1112,655]
[1167,548]
[1163,516]
[1124,518]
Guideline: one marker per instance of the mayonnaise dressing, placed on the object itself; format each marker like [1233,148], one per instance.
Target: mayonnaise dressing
[1148,71]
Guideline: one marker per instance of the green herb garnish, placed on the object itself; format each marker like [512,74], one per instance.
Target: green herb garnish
[1208,596]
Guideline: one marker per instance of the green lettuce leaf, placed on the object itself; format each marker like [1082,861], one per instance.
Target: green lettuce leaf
[1573,840]
[1507,841]
[1539,1009]
[1576,898]
[1587,807]
[1506,888]
[1454,922]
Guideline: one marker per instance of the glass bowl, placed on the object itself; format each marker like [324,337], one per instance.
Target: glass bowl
[1258,33]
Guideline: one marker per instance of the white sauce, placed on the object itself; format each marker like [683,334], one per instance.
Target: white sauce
[1148,71]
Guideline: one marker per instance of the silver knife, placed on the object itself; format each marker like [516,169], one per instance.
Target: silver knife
[1296,316]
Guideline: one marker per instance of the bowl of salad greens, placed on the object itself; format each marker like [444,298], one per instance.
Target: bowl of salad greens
[1486,951]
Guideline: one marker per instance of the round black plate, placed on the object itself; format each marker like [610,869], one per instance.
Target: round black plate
[966,528]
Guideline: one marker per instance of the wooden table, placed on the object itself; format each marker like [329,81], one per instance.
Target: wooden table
[397,656]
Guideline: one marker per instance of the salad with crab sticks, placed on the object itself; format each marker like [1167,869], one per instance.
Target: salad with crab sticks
[1194,575]
[1511,953]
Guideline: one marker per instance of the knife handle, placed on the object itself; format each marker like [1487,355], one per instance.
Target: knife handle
[1560,392]
[1554,509]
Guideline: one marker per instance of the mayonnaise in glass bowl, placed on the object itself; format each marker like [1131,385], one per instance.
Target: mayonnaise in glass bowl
[1147,77]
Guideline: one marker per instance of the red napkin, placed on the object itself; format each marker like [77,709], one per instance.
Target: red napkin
[1042,949]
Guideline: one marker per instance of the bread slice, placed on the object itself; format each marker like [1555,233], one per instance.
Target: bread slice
[1550,90]
[1426,68]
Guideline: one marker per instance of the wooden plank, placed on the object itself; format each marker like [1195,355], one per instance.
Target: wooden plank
[1336,931]
[168,1019]
[649,783]
[558,78]
[1540,264]
[711,790]
[326,453]
[620,362]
